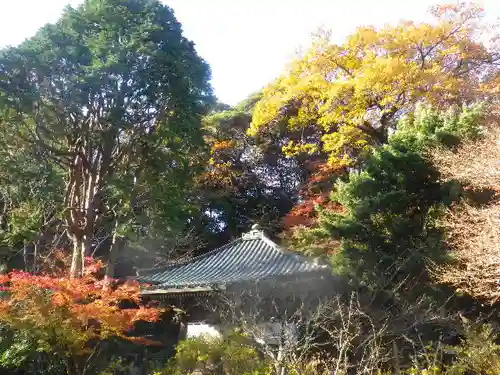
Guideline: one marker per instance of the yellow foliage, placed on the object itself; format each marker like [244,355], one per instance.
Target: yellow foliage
[354,92]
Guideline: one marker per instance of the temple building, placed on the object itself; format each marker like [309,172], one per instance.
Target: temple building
[251,275]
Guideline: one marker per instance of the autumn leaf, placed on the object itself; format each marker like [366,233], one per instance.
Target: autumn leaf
[343,99]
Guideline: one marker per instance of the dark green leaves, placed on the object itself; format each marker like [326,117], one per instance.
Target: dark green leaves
[113,95]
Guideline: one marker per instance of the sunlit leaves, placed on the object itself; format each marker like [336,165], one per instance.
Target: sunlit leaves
[350,95]
[76,312]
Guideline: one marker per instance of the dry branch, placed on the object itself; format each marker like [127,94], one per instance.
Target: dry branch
[475,163]
[473,226]
[334,335]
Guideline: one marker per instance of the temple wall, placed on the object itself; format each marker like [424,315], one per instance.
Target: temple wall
[203,329]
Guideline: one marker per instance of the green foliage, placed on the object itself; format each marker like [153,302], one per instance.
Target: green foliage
[194,352]
[234,354]
[385,230]
[240,356]
[248,105]
[112,94]
[25,349]
[114,97]
[17,348]
[247,180]
[30,191]
[427,126]
[478,354]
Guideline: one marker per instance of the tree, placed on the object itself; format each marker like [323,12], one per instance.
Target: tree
[428,128]
[68,320]
[384,216]
[246,180]
[234,354]
[307,332]
[384,234]
[31,199]
[344,99]
[113,94]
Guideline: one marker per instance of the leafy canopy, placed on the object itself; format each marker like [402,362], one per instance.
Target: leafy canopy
[113,94]
[381,226]
[344,98]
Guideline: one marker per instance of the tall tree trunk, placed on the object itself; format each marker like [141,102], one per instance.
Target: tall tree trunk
[81,194]
[25,257]
[35,255]
[116,248]
[82,247]
[395,352]
[76,259]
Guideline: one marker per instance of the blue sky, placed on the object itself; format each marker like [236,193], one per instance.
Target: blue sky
[247,43]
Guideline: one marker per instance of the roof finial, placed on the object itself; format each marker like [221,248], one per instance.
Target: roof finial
[253,234]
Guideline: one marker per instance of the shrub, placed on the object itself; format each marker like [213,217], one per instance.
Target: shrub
[66,320]
[427,126]
[234,354]
[479,354]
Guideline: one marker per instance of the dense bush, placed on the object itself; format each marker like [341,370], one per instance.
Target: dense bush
[428,126]
[233,354]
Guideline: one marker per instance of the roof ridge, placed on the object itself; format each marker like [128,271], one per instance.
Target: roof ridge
[216,250]
[284,251]
[186,261]
[254,235]
[251,257]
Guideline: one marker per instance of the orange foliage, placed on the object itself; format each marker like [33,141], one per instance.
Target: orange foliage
[325,174]
[305,213]
[78,311]
[316,192]
[219,175]
[302,214]
[221,171]
[222,145]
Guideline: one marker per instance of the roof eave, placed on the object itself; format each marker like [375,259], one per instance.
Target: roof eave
[186,289]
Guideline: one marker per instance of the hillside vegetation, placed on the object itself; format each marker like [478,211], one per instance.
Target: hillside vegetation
[379,154]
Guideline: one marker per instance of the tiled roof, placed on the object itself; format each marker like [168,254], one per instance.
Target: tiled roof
[252,257]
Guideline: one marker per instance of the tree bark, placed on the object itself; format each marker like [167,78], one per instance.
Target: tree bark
[81,194]
[76,259]
[82,247]
[395,352]
[35,255]
[116,248]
